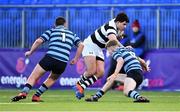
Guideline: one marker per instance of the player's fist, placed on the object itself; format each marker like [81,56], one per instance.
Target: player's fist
[74,61]
[28,53]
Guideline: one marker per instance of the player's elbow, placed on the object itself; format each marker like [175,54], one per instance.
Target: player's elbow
[39,41]
[81,46]
[125,92]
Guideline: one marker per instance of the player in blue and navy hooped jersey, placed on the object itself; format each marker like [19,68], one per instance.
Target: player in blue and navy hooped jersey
[60,41]
[127,59]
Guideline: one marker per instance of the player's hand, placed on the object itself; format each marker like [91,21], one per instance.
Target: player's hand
[129,47]
[145,67]
[112,77]
[120,35]
[28,53]
[73,61]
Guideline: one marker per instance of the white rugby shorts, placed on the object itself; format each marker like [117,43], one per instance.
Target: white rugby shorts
[91,49]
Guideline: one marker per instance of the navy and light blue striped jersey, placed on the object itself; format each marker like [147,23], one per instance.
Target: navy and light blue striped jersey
[61,40]
[129,57]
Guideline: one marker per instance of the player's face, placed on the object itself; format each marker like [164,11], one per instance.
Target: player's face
[121,25]
[65,24]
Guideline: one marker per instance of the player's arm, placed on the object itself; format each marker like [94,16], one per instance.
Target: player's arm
[143,64]
[119,65]
[35,45]
[112,36]
[111,33]
[78,53]
[43,38]
[80,46]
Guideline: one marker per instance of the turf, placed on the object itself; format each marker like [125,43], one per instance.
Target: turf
[113,101]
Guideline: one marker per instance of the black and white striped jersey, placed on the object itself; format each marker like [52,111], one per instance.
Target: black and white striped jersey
[99,37]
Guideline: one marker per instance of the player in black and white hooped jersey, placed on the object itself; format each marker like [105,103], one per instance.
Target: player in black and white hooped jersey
[93,54]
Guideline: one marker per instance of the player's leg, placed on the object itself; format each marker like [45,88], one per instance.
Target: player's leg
[87,78]
[133,80]
[57,68]
[44,87]
[105,88]
[101,92]
[35,75]
[99,67]
[90,77]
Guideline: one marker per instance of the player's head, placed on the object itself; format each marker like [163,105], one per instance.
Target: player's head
[111,45]
[60,21]
[121,21]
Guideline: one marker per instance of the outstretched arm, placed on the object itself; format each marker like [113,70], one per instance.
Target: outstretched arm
[119,65]
[35,45]
[78,53]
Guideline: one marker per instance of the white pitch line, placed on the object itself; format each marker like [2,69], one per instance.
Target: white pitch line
[90,111]
[18,103]
[111,96]
[51,96]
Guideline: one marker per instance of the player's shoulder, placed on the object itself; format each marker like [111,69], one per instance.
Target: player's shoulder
[111,22]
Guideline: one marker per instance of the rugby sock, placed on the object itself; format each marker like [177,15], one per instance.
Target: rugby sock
[82,79]
[99,94]
[133,94]
[27,88]
[41,90]
[85,82]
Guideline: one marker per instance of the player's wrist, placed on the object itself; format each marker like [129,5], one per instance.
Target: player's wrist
[115,73]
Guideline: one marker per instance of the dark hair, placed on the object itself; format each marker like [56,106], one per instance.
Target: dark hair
[60,21]
[121,17]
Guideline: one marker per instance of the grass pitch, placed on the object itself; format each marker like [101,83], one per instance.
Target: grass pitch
[113,101]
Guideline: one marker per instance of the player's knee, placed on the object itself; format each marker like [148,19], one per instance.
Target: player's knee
[54,77]
[100,73]
[91,71]
[125,92]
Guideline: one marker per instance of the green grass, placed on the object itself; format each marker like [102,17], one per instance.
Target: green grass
[65,101]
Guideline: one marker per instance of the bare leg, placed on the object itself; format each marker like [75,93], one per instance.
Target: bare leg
[35,75]
[88,77]
[105,88]
[90,62]
[129,84]
[47,84]
[51,79]
[99,68]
